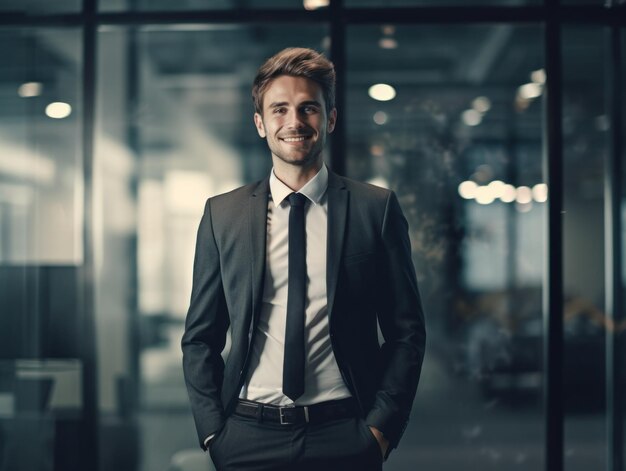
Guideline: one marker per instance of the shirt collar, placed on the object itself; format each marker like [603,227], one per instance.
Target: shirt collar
[313,190]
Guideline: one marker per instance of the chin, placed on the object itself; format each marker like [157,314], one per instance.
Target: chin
[299,161]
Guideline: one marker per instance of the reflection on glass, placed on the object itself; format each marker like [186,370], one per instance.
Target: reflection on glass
[40,401]
[40,194]
[589,2]
[41,367]
[461,144]
[174,127]
[40,6]
[436,3]
[585,138]
[165,5]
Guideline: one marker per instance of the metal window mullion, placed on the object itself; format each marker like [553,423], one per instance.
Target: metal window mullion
[338,148]
[553,287]
[613,256]
[133,138]
[88,346]
[584,14]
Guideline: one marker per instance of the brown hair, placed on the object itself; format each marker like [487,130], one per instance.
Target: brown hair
[296,62]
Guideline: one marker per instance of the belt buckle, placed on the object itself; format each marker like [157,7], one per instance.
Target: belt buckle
[281,413]
[284,420]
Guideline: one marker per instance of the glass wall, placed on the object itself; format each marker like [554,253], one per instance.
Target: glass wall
[203,5]
[438,3]
[586,128]
[450,119]
[174,127]
[41,223]
[39,6]
[40,138]
[96,243]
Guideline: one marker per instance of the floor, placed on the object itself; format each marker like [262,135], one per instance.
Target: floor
[453,427]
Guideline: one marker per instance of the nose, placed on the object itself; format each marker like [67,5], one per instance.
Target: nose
[294,121]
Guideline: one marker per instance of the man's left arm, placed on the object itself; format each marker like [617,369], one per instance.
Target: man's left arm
[401,320]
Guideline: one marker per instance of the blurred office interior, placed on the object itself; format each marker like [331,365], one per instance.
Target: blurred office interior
[499,123]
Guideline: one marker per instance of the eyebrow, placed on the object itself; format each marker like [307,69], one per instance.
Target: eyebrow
[278,104]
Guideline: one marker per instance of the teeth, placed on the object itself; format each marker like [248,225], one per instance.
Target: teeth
[294,139]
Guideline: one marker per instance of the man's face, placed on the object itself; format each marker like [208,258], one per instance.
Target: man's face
[294,120]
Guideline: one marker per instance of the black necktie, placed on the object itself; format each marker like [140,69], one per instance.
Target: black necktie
[293,364]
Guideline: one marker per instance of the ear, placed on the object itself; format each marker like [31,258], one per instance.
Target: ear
[258,121]
[332,120]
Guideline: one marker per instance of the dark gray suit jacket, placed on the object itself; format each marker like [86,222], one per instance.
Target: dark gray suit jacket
[370,276]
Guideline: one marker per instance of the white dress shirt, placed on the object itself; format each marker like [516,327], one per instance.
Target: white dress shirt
[322,381]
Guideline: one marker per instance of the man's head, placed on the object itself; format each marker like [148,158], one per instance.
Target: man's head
[296,62]
[294,96]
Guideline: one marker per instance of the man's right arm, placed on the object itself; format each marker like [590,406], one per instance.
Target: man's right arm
[205,334]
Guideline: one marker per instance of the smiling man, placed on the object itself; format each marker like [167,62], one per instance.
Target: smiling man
[302,267]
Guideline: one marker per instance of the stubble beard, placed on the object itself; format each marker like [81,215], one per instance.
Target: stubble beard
[310,160]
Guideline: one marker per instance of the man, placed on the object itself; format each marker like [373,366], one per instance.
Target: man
[301,267]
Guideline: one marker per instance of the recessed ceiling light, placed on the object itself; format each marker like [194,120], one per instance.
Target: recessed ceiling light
[382,92]
[467,189]
[315,4]
[58,110]
[538,76]
[482,104]
[380,118]
[30,89]
[530,90]
[387,43]
[471,117]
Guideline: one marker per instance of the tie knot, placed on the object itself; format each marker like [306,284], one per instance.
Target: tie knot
[296,199]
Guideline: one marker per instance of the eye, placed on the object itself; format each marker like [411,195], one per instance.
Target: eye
[309,109]
[279,110]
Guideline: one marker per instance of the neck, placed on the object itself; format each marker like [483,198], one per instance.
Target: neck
[295,176]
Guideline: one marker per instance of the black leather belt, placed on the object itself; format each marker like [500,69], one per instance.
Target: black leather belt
[293,415]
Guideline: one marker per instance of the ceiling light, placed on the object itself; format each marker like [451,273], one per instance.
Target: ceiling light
[58,110]
[524,195]
[387,43]
[482,104]
[315,4]
[540,192]
[538,76]
[30,89]
[380,118]
[377,150]
[467,189]
[529,90]
[484,195]
[497,188]
[508,194]
[471,117]
[382,92]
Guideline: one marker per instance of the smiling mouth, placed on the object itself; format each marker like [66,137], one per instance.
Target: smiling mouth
[295,139]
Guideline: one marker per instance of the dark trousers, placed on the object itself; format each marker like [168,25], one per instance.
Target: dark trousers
[339,445]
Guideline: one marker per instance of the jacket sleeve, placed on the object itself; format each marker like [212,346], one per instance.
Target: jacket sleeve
[205,334]
[401,320]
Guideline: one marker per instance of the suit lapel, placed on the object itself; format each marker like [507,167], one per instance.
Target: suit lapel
[337,212]
[257,218]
